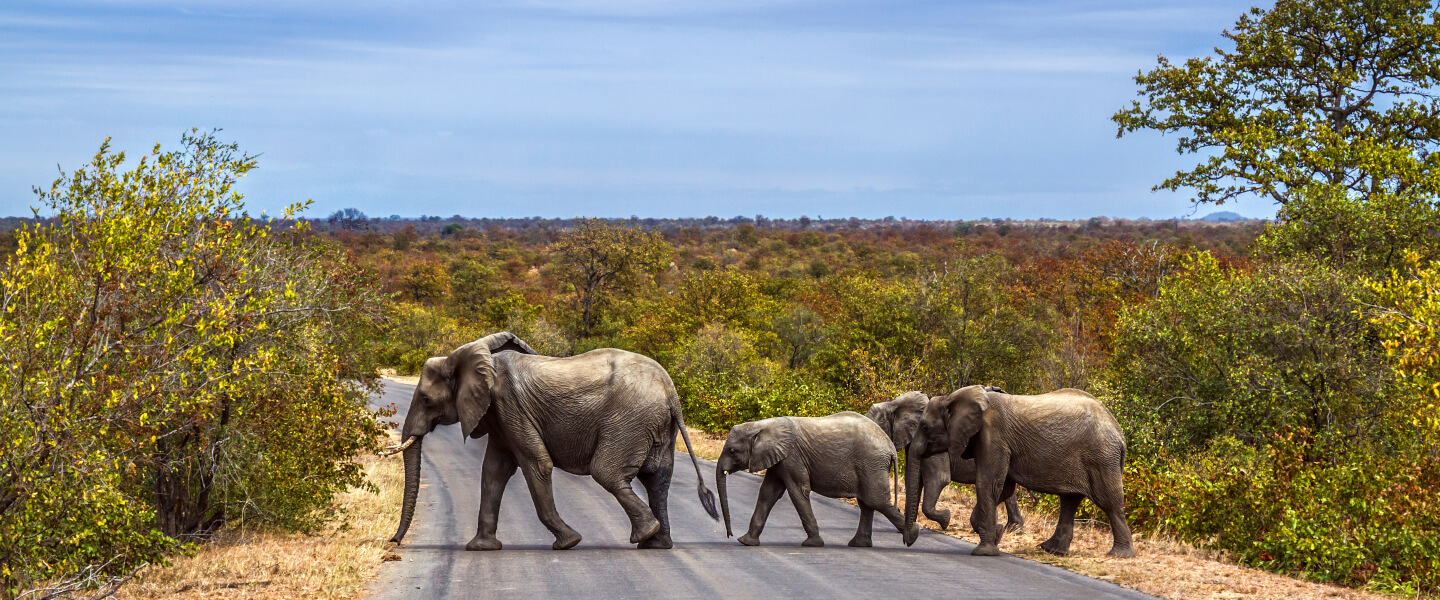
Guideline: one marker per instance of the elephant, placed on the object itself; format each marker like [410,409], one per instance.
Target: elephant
[1064,443]
[844,455]
[926,478]
[607,413]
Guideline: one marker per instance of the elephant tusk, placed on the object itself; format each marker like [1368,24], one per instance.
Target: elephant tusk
[397,448]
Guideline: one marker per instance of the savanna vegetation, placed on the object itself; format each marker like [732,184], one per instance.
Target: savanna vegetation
[174,365]
[171,366]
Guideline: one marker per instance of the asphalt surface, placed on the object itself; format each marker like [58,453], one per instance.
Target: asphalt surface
[703,564]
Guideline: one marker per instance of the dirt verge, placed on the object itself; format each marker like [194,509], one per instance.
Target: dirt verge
[333,564]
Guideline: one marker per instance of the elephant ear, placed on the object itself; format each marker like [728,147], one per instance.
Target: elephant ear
[881,413]
[772,444]
[474,366]
[967,415]
[503,341]
[474,374]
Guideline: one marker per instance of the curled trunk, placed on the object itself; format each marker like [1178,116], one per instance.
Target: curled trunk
[412,488]
[724,499]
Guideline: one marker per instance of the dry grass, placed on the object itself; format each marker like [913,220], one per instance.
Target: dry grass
[1164,567]
[707,445]
[335,564]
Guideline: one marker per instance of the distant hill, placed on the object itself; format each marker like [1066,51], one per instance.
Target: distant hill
[1224,217]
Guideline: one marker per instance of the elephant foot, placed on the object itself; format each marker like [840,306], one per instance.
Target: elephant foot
[644,531]
[1118,552]
[1056,547]
[566,541]
[911,534]
[986,550]
[942,518]
[486,544]
[860,542]
[813,541]
[1014,526]
[749,540]
[659,541]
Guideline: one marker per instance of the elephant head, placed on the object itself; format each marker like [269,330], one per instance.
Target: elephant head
[452,389]
[753,446]
[952,422]
[900,418]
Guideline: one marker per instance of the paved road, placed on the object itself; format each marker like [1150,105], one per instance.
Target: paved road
[703,564]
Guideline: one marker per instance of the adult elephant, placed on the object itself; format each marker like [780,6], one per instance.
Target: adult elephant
[606,413]
[1065,443]
[926,478]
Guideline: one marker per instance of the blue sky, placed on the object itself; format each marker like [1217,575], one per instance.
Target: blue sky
[616,108]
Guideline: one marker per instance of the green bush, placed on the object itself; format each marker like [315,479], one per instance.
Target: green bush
[172,366]
[723,380]
[416,333]
[1264,419]
[1359,519]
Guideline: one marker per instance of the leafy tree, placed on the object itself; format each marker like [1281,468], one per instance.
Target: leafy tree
[1244,354]
[402,239]
[1408,313]
[726,297]
[473,283]
[426,282]
[598,259]
[349,218]
[800,333]
[972,331]
[1323,106]
[171,365]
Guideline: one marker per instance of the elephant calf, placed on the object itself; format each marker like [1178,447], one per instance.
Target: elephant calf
[926,478]
[844,455]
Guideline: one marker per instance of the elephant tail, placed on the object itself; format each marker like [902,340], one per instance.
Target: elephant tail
[707,498]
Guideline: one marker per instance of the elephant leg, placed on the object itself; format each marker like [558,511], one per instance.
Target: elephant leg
[862,534]
[498,469]
[989,485]
[1059,543]
[800,496]
[537,476]
[770,491]
[875,496]
[936,475]
[657,488]
[1111,499]
[616,480]
[1014,521]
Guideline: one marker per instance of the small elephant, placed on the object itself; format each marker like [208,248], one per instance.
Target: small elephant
[1064,443]
[844,455]
[926,478]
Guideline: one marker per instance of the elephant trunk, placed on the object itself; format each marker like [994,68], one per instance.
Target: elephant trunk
[913,462]
[412,487]
[720,476]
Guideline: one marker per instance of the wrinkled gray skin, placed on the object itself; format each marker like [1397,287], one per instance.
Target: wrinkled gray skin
[1064,443]
[844,455]
[607,413]
[926,478]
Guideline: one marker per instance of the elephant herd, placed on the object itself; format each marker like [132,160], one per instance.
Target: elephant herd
[614,415]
